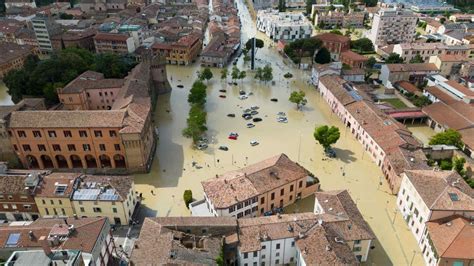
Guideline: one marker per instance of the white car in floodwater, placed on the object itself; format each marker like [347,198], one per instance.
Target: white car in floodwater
[254,143]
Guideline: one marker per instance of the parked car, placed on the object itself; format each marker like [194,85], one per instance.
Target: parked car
[201,146]
[248,117]
[274,99]
[250,125]
[282,120]
[222,96]
[329,152]
[231,115]
[232,137]
[180,86]
[222,90]
[257,119]
[254,143]
[243,97]
[253,112]
[281,114]
[254,107]
[241,92]
[223,148]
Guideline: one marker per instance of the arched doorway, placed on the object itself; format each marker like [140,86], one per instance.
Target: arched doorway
[76,161]
[90,161]
[62,162]
[47,162]
[105,161]
[119,161]
[32,162]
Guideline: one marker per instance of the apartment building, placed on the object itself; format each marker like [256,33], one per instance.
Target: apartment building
[389,143]
[82,38]
[448,64]
[90,91]
[333,19]
[392,26]
[257,189]
[114,43]
[414,73]
[91,236]
[122,137]
[53,197]
[182,52]
[287,26]
[409,51]
[13,56]
[45,28]
[105,196]
[335,43]
[432,196]
[17,192]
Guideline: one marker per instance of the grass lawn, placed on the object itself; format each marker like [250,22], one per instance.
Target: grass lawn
[397,103]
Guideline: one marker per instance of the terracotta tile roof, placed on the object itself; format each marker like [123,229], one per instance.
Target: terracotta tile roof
[463,89]
[121,184]
[335,85]
[111,37]
[67,119]
[47,189]
[452,237]
[12,51]
[353,56]
[87,230]
[91,80]
[412,67]
[441,95]
[331,37]
[251,181]
[407,86]
[12,184]
[452,58]
[436,187]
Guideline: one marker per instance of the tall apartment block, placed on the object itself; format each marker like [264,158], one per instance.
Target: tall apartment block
[392,26]
[45,28]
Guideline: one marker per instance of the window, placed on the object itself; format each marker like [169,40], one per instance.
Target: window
[246,255]
[264,247]
[82,209]
[300,184]
[114,210]
[41,147]
[36,134]
[46,210]
[277,261]
[55,211]
[357,249]
[60,202]
[277,254]
[51,201]
[80,202]
[5,206]
[44,202]
[282,192]
[86,147]
[357,242]
[27,207]
[117,147]
[102,147]
[21,134]
[278,246]
[52,134]
[67,134]
[262,200]
[26,147]
[272,197]
[240,215]
[255,254]
[83,133]
[113,133]
[98,133]
[292,243]
[63,211]
[56,147]
[96,209]
[291,188]
[71,147]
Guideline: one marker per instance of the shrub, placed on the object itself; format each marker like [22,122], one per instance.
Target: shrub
[188,197]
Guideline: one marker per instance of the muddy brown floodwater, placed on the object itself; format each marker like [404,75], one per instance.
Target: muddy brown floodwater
[172,171]
[5,99]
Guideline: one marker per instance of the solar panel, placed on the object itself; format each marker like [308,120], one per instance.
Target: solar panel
[13,240]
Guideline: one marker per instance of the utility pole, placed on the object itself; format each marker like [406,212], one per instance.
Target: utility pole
[252,52]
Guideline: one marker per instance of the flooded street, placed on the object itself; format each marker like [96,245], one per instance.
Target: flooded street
[422,132]
[5,99]
[172,170]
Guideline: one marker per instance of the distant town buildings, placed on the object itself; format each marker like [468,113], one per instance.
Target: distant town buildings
[182,52]
[392,26]
[113,42]
[354,60]
[45,28]
[257,189]
[283,25]
[13,56]
[333,19]
[415,73]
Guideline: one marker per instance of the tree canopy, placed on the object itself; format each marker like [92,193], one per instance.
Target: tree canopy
[394,58]
[298,97]
[323,56]
[196,122]
[302,48]
[448,137]
[370,62]
[362,45]
[417,59]
[338,32]
[206,74]
[224,73]
[198,94]
[42,78]
[326,136]
[258,44]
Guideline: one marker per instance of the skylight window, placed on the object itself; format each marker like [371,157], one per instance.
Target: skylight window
[453,196]
[60,189]
[12,240]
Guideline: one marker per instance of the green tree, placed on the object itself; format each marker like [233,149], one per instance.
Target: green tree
[446,165]
[442,20]
[258,44]
[198,94]
[326,136]
[267,73]
[246,58]
[323,56]
[188,197]
[224,73]
[298,97]
[338,32]
[370,62]
[206,74]
[362,45]
[458,165]
[258,73]
[309,6]
[420,101]
[448,137]
[242,75]
[394,58]
[281,5]
[196,123]
[113,65]
[235,73]
[416,59]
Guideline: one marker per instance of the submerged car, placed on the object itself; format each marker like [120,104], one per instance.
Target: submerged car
[254,143]
[250,125]
[243,97]
[329,152]
[231,115]
[223,148]
[257,119]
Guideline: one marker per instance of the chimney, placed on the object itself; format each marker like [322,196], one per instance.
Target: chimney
[31,235]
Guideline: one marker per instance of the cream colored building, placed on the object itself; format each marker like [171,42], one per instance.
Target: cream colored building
[53,197]
[105,196]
